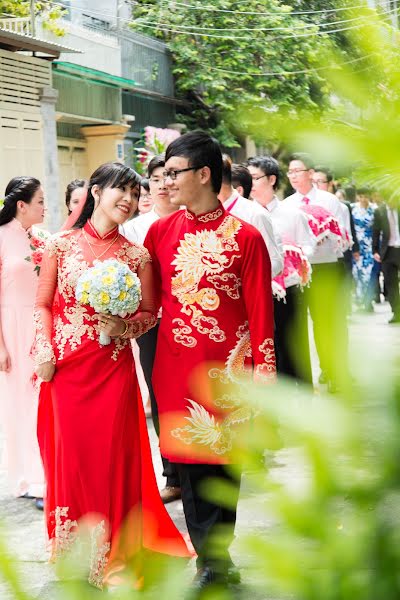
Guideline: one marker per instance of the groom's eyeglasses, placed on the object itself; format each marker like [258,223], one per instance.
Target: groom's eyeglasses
[173,173]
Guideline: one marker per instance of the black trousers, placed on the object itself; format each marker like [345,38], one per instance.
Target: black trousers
[390,268]
[326,301]
[292,347]
[206,521]
[147,346]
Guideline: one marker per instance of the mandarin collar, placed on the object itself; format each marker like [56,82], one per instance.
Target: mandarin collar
[17,225]
[206,217]
[91,230]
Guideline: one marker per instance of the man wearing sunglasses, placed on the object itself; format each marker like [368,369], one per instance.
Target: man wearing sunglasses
[214,278]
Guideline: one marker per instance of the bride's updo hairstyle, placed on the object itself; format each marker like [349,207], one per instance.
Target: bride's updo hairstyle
[114,175]
[19,188]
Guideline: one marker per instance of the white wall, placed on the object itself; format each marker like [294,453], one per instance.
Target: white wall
[100,51]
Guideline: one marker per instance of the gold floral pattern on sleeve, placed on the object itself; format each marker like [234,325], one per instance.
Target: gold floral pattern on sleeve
[58,242]
[134,254]
[42,350]
[140,326]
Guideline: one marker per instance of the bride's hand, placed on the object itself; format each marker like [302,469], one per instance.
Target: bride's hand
[45,371]
[111,325]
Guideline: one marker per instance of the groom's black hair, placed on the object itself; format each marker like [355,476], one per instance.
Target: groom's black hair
[201,150]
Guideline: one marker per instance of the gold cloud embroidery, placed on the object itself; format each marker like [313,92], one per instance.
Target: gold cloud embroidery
[203,254]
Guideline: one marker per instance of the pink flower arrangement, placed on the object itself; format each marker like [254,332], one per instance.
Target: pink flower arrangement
[297,271]
[156,140]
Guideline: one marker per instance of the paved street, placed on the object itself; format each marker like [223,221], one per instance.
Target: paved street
[370,337]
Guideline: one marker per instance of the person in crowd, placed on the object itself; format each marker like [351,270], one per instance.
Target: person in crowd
[251,212]
[20,255]
[325,294]
[74,193]
[363,217]
[352,253]
[145,200]
[136,231]
[291,327]
[241,180]
[92,433]
[386,250]
[215,283]
[323,179]
[341,195]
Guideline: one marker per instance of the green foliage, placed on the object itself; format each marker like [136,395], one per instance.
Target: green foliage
[49,12]
[359,128]
[227,64]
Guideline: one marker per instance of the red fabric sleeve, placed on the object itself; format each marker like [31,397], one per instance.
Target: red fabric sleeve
[146,316]
[257,295]
[150,244]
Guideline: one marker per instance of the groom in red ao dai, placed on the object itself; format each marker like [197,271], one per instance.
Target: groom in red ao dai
[214,276]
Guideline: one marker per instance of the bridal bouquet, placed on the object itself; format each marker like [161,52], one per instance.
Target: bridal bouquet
[109,287]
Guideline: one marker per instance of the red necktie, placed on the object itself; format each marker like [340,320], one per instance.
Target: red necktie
[306,200]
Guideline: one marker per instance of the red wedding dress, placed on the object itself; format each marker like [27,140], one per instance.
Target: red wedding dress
[91,426]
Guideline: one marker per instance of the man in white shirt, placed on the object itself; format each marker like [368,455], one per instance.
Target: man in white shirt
[291,327]
[325,295]
[136,231]
[323,180]
[252,213]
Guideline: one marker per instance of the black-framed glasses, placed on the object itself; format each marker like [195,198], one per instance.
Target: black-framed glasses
[257,177]
[173,173]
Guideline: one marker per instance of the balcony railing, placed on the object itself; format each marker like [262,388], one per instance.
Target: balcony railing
[21,25]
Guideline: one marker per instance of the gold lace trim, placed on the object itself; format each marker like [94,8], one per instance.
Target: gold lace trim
[66,538]
[42,350]
[138,328]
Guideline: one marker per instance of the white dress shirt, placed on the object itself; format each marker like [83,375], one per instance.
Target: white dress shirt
[328,251]
[136,229]
[251,212]
[347,226]
[393,218]
[291,224]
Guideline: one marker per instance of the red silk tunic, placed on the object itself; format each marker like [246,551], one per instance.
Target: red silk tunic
[214,274]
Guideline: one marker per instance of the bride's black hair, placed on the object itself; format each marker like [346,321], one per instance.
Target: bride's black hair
[112,174]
